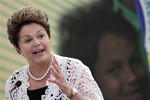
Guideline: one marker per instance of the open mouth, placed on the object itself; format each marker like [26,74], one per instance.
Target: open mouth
[136,94]
[38,51]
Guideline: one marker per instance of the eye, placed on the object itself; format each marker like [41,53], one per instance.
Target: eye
[41,36]
[114,70]
[27,40]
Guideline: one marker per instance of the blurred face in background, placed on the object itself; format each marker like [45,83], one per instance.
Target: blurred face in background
[120,71]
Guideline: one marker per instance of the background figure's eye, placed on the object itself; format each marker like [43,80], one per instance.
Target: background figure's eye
[114,70]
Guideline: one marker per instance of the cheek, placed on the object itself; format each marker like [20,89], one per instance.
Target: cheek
[47,42]
[106,81]
[109,85]
[142,72]
[25,49]
[143,76]
[47,46]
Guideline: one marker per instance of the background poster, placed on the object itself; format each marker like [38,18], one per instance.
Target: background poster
[143,8]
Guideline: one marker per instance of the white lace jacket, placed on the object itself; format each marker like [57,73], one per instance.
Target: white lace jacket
[77,74]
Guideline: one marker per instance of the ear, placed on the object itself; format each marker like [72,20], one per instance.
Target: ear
[18,49]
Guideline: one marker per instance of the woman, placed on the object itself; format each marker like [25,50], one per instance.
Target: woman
[47,76]
[109,45]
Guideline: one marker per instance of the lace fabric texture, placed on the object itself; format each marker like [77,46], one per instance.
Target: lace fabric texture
[76,73]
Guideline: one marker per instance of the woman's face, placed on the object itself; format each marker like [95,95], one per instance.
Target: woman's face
[120,71]
[34,43]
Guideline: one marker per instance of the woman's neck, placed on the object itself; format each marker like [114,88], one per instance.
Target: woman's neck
[39,69]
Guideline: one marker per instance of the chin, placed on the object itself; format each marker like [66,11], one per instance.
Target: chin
[136,97]
[41,59]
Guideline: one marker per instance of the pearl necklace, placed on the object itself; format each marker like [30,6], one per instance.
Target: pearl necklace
[41,78]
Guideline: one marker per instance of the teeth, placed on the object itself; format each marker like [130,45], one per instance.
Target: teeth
[37,51]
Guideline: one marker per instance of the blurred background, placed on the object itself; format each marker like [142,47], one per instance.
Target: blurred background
[10,60]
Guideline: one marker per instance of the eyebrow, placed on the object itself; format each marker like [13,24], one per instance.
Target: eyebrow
[29,35]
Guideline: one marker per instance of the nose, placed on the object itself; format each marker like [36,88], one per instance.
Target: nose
[36,43]
[129,75]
